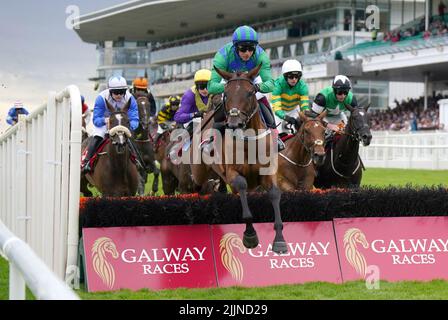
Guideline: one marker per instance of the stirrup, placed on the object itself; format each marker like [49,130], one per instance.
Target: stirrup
[280,144]
[86,167]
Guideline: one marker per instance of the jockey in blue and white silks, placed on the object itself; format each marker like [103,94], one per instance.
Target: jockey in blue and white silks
[118,96]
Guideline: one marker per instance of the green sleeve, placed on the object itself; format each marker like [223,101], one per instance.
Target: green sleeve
[265,73]
[214,85]
[280,114]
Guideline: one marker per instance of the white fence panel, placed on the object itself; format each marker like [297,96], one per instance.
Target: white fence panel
[420,150]
[39,180]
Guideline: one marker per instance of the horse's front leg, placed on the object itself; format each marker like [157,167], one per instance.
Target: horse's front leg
[141,182]
[239,183]
[274,193]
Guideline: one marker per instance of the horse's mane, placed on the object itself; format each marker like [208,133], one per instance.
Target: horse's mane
[228,259]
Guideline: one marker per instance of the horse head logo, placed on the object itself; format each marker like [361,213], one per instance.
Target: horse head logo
[228,259]
[100,264]
[355,258]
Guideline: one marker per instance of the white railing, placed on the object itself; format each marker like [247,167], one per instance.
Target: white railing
[39,180]
[26,267]
[407,151]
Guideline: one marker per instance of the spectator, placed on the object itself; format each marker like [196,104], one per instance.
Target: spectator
[13,113]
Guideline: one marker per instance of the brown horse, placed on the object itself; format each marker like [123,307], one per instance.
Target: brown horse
[175,177]
[242,170]
[343,166]
[143,142]
[115,174]
[303,153]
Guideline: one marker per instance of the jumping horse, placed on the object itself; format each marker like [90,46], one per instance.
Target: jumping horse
[304,152]
[115,174]
[343,165]
[242,113]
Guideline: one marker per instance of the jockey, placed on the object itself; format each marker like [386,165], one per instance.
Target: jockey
[13,113]
[165,117]
[244,54]
[194,101]
[86,114]
[140,88]
[118,96]
[333,99]
[290,94]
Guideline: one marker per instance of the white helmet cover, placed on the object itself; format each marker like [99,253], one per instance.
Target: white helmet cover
[291,66]
[117,82]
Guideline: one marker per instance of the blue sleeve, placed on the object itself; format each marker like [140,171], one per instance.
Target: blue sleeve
[11,116]
[133,114]
[98,112]
[25,111]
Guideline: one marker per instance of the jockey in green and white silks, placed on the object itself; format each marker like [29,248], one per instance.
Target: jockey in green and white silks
[333,99]
[290,95]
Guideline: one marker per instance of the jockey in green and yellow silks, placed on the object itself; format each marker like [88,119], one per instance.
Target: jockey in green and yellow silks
[290,94]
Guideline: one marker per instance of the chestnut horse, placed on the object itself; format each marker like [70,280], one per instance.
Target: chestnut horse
[243,171]
[303,153]
[343,166]
[143,142]
[115,174]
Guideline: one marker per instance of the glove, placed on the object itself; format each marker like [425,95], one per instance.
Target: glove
[257,87]
[291,120]
[198,114]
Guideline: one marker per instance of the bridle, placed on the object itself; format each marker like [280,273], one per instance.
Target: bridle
[235,112]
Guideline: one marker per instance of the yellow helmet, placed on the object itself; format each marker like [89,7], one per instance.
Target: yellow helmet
[202,75]
[140,83]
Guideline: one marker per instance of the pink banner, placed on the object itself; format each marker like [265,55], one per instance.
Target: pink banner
[312,255]
[393,249]
[161,257]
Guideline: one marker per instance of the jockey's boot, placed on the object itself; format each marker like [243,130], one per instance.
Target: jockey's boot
[91,148]
[268,116]
[329,134]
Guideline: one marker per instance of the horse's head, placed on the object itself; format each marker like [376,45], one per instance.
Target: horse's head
[119,127]
[239,97]
[359,124]
[143,112]
[312,135]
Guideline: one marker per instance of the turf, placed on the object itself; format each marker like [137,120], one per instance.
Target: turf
[402,177]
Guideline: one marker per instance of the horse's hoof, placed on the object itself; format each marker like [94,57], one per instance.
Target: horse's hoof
[280,247]
[250,241]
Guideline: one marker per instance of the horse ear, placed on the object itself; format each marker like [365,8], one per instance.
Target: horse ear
[368,106]
[109,106]
[224,74]
[349,107]
[254,72]
[128,104]
[303,116]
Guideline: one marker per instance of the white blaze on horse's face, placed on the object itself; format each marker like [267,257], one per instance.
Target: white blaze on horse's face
[119,118]
[361,113]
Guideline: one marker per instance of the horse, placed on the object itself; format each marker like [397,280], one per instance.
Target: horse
[85,134]
[115,174]
[303,153]
[343,165]
[241,109]
[175,177]
[143,142]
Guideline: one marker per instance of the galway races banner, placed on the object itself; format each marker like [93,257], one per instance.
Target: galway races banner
[162,257]
[393,249]
[312,255]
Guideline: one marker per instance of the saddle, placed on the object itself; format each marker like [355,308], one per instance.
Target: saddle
[94,159]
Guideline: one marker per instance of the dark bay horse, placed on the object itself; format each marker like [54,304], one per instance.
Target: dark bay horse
[175,177]
[303,154]
[115,174]
[343,166]
[242,113]
[143,142]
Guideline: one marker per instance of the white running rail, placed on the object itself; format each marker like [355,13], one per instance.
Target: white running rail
[420,150]
[39,180]
[26,267]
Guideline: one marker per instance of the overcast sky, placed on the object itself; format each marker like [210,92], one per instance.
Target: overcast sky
[39,54]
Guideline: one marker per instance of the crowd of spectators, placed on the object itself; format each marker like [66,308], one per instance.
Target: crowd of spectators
[438,27]
[408,115]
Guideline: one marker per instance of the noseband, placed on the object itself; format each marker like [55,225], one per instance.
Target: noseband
[235,112]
